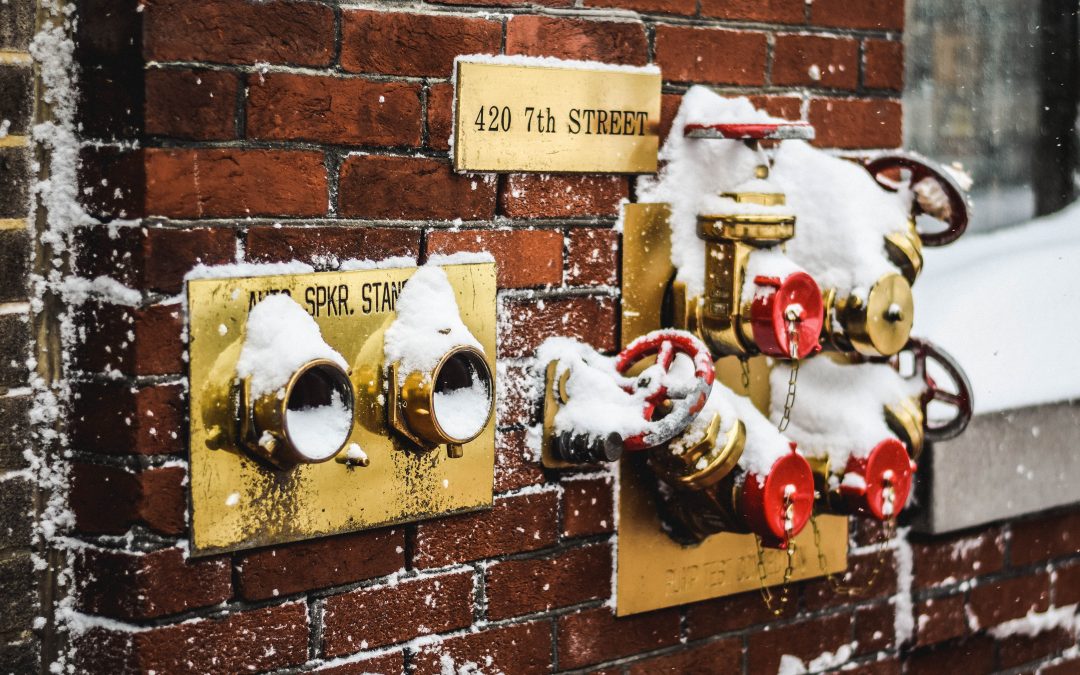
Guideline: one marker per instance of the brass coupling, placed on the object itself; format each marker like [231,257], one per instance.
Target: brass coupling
[877,325]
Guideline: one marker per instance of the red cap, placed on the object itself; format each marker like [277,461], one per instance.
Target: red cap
[769,321]
[763,501]
[888,464]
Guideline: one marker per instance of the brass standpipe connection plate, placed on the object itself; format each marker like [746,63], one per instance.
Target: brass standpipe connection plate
[239,502]
[653,571]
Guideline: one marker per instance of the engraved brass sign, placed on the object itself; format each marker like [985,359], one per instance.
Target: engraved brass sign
[240,500]
[512,117]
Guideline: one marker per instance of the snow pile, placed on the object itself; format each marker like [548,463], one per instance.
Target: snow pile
[428,324]
[280,338]
[319,432]
[764,444]
[463,412]
[718,403]
[839,410]
[793,665]
[765,263]
[1034,623]
[1006,304]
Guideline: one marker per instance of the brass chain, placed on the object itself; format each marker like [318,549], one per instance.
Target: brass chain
[793,352]
[789,545]
[744,364]
[888,532]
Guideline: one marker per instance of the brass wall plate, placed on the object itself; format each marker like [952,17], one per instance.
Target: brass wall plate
[238,502]
[723,564]
[540,118]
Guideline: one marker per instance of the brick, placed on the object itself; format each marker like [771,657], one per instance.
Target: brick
[940,619]
[440,115]
[22,654]
[975,655]
[710,55]
[852,124]
[346,111]
[883,64]
[109,500]
[787,107]
[114,418]
[869,14]
[596,635]
[681,7]
[236,31]
[528,585]
[228,182]
[527,323]
[872,575]
[143,341]
[607,41]
[524,258]
[15,188]
[256,640]
[875,628]
[765,11]
[718,656]
[16,24]
[805,640]
[561,196]
[522,649]
[14,264]
[380,615]
[730,613]
[14,349]
[333,561]
[18,588]
[592,257]
[399,43]
[515,467]
[323,245]
[1016,650]
[514,524]
[888,665]
[14,427]
[816,61]
[669,107]
[998,601]
[196,104]
[113,182]
[169,254]
[1066,583]
[15,107]
[384,664]
[126,585]
[412,188]
[518,393]
[1034,541]
[1067,666]
[588,507]
[948,560]
[507,3]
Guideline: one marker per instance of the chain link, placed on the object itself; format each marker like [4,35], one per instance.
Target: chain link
[744,364]
[888,532]
[789,570]
[793,352]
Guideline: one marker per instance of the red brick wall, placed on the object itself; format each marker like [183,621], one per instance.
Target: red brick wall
[304,130]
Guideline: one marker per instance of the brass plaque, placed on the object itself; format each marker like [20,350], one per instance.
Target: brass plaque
[724,564]
[238,502]
[511,117]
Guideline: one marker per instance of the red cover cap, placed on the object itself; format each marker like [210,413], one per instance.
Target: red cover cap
[768,318]
[763,501]
[887,464]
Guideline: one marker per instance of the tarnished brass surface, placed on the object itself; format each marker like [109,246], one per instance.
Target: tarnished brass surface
[511,117]
[906,420]
[706,462]
[904,248]
[653,571]
[753,229]
[239,502]
[554,396]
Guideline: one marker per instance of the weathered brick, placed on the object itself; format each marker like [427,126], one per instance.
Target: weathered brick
[875,628]
[592,257]
[14,424]
[226,182]
[507,3]
[595,635]
[940,619]
[18,590]
[518,392]
[14,349]
[974,655]
[399,43]
[15,188]
[815,60]
[805,640]
[132,341]
[22,654]
[873,574]
[683,7]
[588,506]
[330,244]
[528,585]
[711,55]
[383,664]
[607,41]
[854,123]
[169,254]
[440,115]
[236,31]
[126,585]
[730,613]
[524,257]
[109,500]
[112,181]
[380,615]
[197,104]
[561,196]
[348,111]
[766,11]
[883,64]
[14,264]
[1066,666]
[16,24]
[1066,583]
[321,563]
[514,524]
[1016,650]
[945,560]
[111,417]
[528,323]
[522,649]
[1043,538]
[515,467]
[412,188]
[15,105]
[718,656]
[869,14]
[994,602]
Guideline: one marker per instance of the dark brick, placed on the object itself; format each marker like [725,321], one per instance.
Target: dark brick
[518,394]
[14,424]
[816,61]
[592,257]
[684,7]
[975,655]
[18,593]
[412,188]
[870,14]
[198,104]
[517,587]
[322,563]
[524,257]
[731,613]
[528,323]
[515,467]
[768,11]
[875,628]
[14,349]
[522,649]
[952,559]
[588,506]
[572,38]
[595,635]
[1034,541]
[392,663]
[1067,666]
[995,602]
[805,640]
[116,418]
[1016,650]
[14,264]
[379,615]
[329,245]
[940,619]
[15,188]
[855,123]
[561,196]
[157,347]
[16,28]
[1066,583]
[109,500]
[15,104]
[719,656]
[870,575]
[710,55]
[520,523]
[21,655]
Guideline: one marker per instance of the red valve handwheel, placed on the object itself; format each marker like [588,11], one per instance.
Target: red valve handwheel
[665,344]
[768,316]
[777,131]
[963,400]
[765,501]
[959,210]
[887,465]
